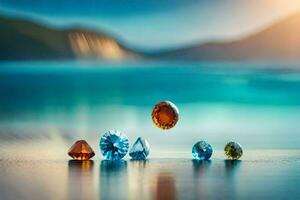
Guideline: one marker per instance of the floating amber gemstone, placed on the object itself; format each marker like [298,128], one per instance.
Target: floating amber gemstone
[165,115]
[81,150]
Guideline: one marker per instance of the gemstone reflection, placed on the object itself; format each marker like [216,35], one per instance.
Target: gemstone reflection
[81,150]
[165,115]
[233,150]
[114,145]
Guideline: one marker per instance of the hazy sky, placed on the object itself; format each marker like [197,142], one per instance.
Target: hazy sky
[152,24]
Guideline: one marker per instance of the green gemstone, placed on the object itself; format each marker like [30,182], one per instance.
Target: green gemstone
[233,150]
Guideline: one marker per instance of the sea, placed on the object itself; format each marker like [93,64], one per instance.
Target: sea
[51,104]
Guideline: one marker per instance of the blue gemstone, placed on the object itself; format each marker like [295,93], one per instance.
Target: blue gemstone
[140,149]
[114,145]
[202,151]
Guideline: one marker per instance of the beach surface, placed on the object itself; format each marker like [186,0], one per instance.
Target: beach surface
[260,174]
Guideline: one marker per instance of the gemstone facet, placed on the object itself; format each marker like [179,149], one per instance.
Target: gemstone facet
[81,150]
[140,149]
[233,150]
[165,115]
[202,151]
[114,145]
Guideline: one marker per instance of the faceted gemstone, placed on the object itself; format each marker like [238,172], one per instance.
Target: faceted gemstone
[81,150]
[114,145]
[233,150]
[202,151]
[165,115]
[140,149]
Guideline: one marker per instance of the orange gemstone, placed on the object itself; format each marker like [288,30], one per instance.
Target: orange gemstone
[81,150]
[165,115]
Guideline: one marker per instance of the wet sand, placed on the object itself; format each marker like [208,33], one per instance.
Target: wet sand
[260,175]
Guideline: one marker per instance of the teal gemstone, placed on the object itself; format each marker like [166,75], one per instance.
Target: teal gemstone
[114,145]
[140,149]
[202,151]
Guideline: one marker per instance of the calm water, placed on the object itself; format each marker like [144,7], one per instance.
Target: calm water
[255,104]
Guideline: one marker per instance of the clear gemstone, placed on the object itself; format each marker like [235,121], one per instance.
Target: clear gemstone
[165,115]
[233,150]
[81,150]
[140,149]
[114,145]
[202,151]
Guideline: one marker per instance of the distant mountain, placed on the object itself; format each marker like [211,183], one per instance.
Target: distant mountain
[280,41]
[24,40]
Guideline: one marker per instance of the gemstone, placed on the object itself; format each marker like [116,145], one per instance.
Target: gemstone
[202,151]
[233,150]
[81,150]
[114,145]
[140,149]
[165,115]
